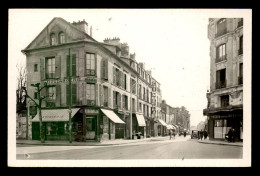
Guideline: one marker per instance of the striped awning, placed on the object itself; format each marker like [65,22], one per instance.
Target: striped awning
[55,115]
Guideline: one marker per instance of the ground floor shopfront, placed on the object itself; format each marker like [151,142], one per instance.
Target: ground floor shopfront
[219,124]
[88,123]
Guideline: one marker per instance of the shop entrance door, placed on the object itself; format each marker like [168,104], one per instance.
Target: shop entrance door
[91,126]
[120,131]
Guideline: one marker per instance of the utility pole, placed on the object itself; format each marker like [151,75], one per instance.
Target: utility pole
[70,140]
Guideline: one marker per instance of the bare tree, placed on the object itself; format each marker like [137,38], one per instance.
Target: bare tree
[21,83]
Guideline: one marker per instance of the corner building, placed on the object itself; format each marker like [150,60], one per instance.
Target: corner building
[104,79]
[225,98]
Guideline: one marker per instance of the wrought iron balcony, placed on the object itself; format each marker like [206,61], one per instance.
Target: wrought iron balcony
[222,32]
[219,59]
[221,84]
[240,80]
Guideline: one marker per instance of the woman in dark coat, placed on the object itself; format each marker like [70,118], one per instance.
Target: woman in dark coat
[230,135]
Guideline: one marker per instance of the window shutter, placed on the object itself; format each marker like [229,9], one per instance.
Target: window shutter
[57,67]
[74,94]
[109,98]
[96,94]
[114,75]
[68,66]
[114,99]
[101,90]
[68,94]
[119,101]
[102,69]
[58,95]
[106,69]
[74,65]
[42,68]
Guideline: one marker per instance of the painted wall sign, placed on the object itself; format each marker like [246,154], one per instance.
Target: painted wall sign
[64,80]
[91,111]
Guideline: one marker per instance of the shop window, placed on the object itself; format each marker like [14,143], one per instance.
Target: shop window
[55,128]
[91,124]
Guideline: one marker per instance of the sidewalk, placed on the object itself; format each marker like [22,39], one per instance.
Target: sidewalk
[207,141]
[89,143]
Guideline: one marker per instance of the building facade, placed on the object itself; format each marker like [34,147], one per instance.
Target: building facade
[104,90]
[225,98]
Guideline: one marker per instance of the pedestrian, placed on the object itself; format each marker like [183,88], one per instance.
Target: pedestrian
[229,135]
[170,133]
[174,133]
[233,135]
[205,134]
[201,134]
[184,134]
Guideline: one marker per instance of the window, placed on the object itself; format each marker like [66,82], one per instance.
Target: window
[53,39]
[224,100]
[144,93]
[50,67]
[147,94]
[105,96]
[140,107]
[144,110]
[221,79]
[240,78]
[221,53]
[52,93]
[117,99]
[35,67]
[133,86]
[61,38]
[125,102]
[140,91]
[221,27]
[35,95]
[90,93]
[90,64]
[240,50]
[133,104]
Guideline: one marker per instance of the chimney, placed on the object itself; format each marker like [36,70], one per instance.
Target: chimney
[90,31]
[124,49]
[81,25]
[132,56]
[142,65]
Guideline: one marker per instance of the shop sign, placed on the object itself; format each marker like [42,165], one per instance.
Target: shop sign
[91,79]
[91,111]
[57,81]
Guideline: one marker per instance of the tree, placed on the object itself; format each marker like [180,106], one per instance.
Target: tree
[39,104]
[21,84]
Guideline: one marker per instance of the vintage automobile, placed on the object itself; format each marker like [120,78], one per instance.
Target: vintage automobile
[194,134]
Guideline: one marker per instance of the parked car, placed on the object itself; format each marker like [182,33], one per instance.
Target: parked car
[194,134]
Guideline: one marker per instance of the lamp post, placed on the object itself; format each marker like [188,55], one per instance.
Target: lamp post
[70,140]
[131,121]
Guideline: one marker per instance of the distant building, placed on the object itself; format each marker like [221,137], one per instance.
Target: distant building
[225,97]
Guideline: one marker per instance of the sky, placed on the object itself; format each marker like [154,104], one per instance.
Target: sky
[172,43]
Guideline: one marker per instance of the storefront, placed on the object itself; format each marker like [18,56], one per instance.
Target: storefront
[162,127]
[139,125]
[220,123]
[55,123]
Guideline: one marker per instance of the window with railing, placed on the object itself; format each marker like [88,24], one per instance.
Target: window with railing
[90,64]
[50,69]
[221,53]
[221,28]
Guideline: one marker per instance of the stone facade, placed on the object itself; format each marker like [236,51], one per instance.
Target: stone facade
[225,97]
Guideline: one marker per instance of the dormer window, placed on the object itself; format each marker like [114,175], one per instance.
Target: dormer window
[61,38]
[53,39]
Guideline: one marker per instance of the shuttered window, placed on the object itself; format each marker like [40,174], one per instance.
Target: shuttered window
[68,66]
[73,66]
[104,69]
[74,94]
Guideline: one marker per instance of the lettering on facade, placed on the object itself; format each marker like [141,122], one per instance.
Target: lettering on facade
[91,111]
[91,79]
[57,81]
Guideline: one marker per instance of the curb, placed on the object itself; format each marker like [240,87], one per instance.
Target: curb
[220,144]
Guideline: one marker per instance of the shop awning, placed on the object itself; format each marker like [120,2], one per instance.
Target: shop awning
[55,115]
[140,119]
[162,122]
[170,127]
[112,116]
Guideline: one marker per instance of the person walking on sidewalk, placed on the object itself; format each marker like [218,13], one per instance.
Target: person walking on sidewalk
[170,133]
[229,135]
[201,134]
[174,133]
[205,134]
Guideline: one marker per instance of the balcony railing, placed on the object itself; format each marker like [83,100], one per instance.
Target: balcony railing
[240,80]
[222,32]
[240,23]
[221,84]
[240,51]
[219,59]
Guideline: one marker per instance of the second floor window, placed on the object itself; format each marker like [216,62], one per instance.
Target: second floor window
[221,53]
[50,67]
[90,64]
[224,100]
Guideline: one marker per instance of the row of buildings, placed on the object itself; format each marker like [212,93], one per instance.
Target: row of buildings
[225,97]
[108,88]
